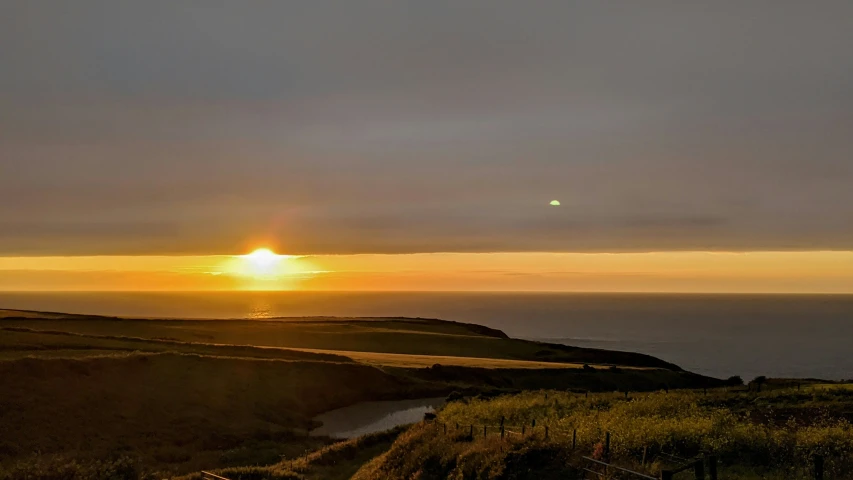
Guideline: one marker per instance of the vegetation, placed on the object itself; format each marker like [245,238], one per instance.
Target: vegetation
[768,435]
[178,412]
[174,396]
[406,336]
[334,462]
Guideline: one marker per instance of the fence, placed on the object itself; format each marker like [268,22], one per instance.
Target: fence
[697,465]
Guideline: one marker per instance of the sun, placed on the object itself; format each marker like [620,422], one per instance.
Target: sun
[263,261]
[263,269]
[263,257]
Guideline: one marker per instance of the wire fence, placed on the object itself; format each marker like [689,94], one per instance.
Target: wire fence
[703,466]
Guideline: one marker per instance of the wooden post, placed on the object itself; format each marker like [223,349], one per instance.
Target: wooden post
[712,466]
[445,428]
[666,475]
[472,432]
[546,432]
[626,394]
[586,395]
[607,446]
[645,451]
[523,430]
[533,423]
[699,469]
[484,431]
[502,432]
[818,467]
[457,426]
[574,438]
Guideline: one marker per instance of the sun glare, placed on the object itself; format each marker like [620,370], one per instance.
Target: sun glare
[263,262]
[263,269]
[263,257]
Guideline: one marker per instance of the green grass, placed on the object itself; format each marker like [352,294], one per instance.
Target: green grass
[177,396]
[339,461]
[18,342]
[767,435]
[395,336]
[176,412]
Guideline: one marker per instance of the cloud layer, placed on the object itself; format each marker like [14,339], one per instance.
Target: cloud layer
[345,127]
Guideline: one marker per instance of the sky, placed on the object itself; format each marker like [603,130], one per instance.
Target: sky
[401,131]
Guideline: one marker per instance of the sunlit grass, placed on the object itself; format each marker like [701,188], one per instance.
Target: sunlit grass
[743,429]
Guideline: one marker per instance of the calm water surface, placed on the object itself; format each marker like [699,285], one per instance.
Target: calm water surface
[371,417]
[719,335]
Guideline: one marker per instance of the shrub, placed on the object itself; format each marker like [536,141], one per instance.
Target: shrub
[454,397]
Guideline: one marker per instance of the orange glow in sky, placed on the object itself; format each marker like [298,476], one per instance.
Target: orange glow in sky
[743,272]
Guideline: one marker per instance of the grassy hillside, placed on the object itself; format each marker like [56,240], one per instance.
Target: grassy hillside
[381,335]
[186,411]
[335,462]
[771,435]
[177,396]
[18,342]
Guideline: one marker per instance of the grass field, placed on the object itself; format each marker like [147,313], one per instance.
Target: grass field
[382,335]
[421,361]
[770,435]
[177,396]
[17,342]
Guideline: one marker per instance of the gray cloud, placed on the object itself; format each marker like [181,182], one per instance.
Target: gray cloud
[190,127]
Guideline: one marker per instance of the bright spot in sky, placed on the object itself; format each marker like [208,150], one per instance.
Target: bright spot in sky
[263,261]
[556,203]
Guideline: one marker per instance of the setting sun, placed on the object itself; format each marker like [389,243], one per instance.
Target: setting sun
[263,257]
[262,262]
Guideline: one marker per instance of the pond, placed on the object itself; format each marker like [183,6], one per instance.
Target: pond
[371,417]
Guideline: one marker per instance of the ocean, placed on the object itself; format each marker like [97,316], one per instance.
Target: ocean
[717,335]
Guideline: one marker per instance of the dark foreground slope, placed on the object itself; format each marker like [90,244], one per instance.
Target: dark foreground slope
[172,409]
[178,396]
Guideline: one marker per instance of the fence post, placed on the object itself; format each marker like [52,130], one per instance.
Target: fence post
[665,475]
[472,432]
[457,426]
[712,467]
[626,394]
[699,469]
[607,446]
[502,432]
[586,395]
[818,467]
[445,428]
[523,430]
[546,432]
[574,438]
[484,431]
